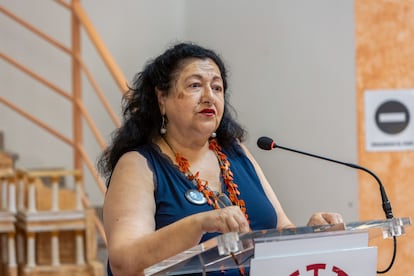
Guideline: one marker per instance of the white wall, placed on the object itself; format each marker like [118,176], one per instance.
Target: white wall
[291,67]
[292,78]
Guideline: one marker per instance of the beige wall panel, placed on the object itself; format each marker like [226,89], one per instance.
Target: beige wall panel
[385,60]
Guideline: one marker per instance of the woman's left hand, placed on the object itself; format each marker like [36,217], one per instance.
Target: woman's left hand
[323,218]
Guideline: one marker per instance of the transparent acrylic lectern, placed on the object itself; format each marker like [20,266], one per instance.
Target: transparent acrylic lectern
[338,248]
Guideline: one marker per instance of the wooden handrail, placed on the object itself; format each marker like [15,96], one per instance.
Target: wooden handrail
[39,78]
[77,128]
[100,46]
[100,94]
[60,91]
[92,169]
[6,173]
[37,121]
[50,173]
[91,124]
[63,3]
[35,30]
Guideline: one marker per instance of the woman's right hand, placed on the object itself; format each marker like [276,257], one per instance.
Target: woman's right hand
[228,219]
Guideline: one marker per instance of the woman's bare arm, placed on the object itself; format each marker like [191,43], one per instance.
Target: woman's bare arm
[129,209]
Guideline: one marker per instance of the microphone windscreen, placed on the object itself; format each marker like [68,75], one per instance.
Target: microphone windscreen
[265,143]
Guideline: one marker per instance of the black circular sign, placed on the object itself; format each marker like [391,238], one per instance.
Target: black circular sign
[392,117]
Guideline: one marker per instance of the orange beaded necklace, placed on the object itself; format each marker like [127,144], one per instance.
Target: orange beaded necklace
[202,185]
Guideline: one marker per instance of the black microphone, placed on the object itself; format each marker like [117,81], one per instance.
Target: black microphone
[267,143]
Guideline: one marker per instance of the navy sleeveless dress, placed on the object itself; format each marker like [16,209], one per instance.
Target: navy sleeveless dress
[171,186]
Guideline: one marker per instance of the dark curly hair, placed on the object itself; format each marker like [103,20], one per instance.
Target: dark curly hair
[141,113]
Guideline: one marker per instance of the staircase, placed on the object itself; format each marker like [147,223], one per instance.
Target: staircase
[72,94]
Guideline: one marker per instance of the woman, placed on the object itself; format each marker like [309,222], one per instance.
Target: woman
[178,150]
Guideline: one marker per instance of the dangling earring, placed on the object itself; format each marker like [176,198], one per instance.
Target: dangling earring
[163,129]
[213,135]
